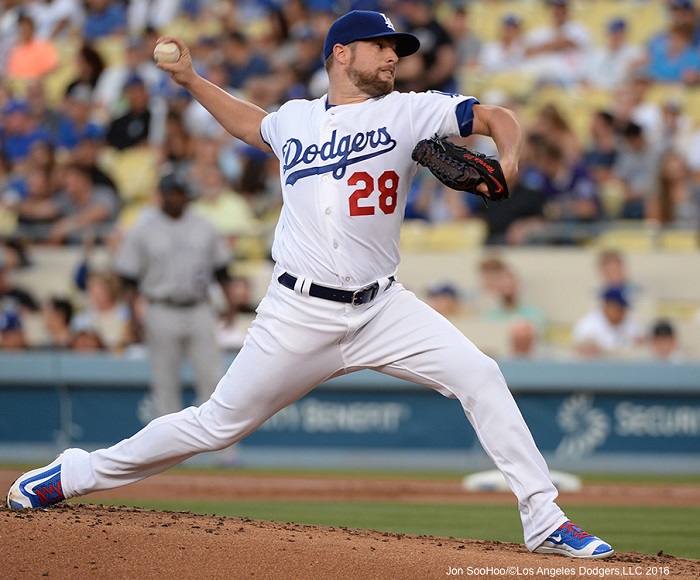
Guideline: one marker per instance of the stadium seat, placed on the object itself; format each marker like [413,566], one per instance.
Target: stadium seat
[112,49]
[492,337]
[678,240]
[417,235]
[633,238]
[134,170]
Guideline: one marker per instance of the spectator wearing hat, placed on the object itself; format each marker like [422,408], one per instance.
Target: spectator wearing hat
[133,128]
[673,58]
[19,132]
[556,53]
[608,329]
[680,13]
[168,260]
[609,66]
[31,58]
[446,299]
[11,331]
[685,12]
[138,62]
[671,55]
[75,122]
[507,52]
[663,342]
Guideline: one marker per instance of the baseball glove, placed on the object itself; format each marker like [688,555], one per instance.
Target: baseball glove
[461,168]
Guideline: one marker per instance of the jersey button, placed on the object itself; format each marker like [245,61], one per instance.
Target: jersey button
[348,278]
[335,245]
[328,211]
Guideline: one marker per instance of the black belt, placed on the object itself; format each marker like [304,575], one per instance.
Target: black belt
[175,303]
[354,297]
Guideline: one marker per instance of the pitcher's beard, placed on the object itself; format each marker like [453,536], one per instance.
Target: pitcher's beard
[370,83]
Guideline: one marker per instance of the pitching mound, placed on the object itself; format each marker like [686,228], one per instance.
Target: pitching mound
[95,541]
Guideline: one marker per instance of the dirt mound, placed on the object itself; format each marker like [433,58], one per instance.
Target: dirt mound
[94,541]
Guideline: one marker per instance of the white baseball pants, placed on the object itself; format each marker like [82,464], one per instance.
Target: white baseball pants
[297,342]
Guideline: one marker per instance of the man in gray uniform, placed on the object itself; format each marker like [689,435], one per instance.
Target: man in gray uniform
[170,258]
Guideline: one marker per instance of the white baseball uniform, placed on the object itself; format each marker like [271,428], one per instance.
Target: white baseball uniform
[345,172]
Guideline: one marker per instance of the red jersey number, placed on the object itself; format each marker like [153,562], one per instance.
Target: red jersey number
[387,184]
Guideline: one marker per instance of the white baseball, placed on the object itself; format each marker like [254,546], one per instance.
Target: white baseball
[166,52]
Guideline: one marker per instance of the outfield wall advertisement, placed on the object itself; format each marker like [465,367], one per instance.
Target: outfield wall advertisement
[611,416]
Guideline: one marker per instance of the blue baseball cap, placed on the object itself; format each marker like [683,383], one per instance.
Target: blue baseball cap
[616,295]
[443,290]
[510,20]
[9,321]
[682,4]
[363,25]
[15,106]
[617,25]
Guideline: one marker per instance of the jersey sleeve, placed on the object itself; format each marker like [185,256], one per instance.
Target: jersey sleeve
[269,131]
[444,114]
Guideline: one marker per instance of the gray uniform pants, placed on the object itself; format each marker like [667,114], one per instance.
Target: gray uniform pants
[175,334]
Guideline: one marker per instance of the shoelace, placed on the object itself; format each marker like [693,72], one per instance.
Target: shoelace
[572,529]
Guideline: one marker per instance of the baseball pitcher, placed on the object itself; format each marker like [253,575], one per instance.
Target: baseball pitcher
[335,303]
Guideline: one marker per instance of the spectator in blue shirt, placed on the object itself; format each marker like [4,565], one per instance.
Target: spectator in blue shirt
[570,193]
[673,58]
[19,132]
[242,62]
[103,18]
[75,124]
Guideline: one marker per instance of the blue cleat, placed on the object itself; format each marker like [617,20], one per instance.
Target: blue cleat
[37,488]
[570,540]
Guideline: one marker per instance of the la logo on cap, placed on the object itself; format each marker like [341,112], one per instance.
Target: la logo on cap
[388,22]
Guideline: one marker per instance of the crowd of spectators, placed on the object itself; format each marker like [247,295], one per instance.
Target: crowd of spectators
[88,123]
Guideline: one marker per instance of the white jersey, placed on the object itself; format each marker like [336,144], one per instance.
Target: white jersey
[345,172]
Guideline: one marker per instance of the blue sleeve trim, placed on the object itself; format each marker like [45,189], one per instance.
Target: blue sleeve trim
[465,116]
[263,138]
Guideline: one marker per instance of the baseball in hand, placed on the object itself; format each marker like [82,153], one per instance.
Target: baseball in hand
[166,52]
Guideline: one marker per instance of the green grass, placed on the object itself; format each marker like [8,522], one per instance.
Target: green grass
[590,478]
[673,530]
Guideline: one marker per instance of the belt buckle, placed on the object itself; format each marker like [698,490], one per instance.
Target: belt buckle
[358,296]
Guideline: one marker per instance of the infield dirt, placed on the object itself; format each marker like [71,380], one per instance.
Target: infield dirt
[96,541]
